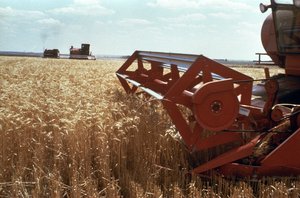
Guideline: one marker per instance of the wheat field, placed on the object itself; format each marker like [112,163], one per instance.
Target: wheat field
[67,129]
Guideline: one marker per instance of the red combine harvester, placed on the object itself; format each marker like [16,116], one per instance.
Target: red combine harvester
[81,53]
[51,53]
[259,125]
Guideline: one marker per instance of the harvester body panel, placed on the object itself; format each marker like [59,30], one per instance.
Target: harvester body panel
[81,53]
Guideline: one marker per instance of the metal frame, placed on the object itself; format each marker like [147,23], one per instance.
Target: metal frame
[219,100]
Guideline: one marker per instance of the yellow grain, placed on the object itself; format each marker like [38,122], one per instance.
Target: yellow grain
[67,129]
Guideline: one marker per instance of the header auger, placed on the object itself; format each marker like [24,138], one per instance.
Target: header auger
[213,105]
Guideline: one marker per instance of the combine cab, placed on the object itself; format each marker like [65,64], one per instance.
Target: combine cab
[214,106]
[51,53]
[81,53]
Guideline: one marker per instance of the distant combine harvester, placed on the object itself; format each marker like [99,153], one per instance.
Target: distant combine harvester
[82,53]
[51,53]
[75,53]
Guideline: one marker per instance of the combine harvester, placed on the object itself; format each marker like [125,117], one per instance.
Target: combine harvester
[82,53]
[51,53]
[259,125]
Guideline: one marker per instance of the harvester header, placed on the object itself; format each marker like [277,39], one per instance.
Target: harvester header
[213,106]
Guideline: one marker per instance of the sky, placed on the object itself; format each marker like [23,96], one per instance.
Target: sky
[215,28]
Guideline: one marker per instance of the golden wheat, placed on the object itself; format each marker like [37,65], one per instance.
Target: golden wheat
[67,129]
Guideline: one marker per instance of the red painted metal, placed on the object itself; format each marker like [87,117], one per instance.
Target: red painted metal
[216,105]
[212,105]
[221,110]
[292,65]
[230,156]
[81,53]
[268,39]
[286,154]
[280,37]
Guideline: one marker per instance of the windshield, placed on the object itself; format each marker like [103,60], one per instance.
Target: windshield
[284,1]
[287,22]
